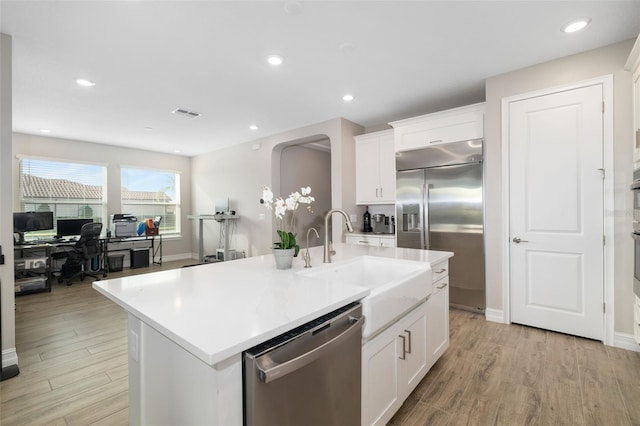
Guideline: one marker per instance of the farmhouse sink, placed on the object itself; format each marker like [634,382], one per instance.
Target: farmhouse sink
[396,286]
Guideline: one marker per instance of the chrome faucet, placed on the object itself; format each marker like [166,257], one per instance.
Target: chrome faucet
[306,257]
[327,255]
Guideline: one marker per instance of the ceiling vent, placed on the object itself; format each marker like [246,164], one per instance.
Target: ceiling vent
[186,113]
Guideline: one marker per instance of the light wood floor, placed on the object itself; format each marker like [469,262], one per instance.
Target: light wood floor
[72,348]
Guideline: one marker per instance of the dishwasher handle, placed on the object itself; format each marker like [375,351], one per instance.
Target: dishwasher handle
[276,371]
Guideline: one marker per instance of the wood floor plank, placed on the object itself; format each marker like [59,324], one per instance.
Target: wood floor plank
[76,340]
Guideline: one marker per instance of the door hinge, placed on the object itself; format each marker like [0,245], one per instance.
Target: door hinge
[603,107]
[604,239]
[604,309]
[602,172]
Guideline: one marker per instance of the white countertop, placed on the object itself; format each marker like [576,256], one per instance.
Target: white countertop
[372,234]
[218,310]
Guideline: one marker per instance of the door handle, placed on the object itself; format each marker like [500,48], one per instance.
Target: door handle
[269,370]
[518,240]
[409,334]
[404,351]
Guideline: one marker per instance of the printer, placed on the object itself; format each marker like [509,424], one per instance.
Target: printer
[123,225]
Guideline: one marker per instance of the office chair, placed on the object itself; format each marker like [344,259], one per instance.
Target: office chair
[85,249]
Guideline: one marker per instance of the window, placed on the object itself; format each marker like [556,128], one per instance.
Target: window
[148,193]
[69,190]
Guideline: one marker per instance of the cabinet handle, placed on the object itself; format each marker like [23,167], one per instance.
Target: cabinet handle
[381,193]
[404,352]
[363,242]
[439,271]
[441,286]
[377,192]
[409,334]
[436,141]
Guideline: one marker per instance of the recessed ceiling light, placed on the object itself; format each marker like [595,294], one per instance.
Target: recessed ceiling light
[45,131]
[347,98]
[253,127]
[85,83]
[148,129]
[177,151]
[275,60]
[576,25]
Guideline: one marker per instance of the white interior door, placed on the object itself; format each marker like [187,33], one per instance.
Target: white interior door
[556,211]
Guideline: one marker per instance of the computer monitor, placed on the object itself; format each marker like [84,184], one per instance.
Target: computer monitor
[32,221]
[69,227]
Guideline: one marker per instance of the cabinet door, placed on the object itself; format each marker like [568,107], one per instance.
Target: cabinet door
[387,164]
[438,321]
[367,170]
[387,242]
[380,398]
[414,338]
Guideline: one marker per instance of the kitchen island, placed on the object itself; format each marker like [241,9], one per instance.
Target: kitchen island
[189,326]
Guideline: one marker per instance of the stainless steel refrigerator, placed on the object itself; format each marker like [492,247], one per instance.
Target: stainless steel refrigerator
[439,205]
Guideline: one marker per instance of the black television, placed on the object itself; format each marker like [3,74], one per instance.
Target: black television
[70,227]
[32,221]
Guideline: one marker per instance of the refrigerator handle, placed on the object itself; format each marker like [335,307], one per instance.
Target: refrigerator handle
[424,213]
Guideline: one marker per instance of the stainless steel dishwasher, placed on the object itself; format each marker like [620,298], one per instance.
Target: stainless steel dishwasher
[308,376]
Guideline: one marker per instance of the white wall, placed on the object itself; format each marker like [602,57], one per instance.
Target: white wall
[239,173]
[604,61]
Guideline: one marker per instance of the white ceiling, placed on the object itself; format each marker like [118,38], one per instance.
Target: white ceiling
[399,59]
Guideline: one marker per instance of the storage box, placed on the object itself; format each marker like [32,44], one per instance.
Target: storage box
[151,231]
[115,262]
[139,257]
[32,283]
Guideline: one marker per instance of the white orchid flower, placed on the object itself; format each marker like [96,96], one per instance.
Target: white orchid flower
[280,208]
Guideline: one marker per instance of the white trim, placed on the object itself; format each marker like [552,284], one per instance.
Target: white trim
[495,315]
[59,160]
[154,169]
[607,127]
[626,341]
[9,357]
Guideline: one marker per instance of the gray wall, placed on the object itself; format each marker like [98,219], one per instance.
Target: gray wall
[239,173]
[6,217]
[604,61]
[304,166]
[114,157]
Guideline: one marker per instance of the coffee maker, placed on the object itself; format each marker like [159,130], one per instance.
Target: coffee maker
[381,224]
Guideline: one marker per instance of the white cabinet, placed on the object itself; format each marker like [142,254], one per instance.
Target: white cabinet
[375,168]
[438,321]
[372,240]
[452,125]
[393,363]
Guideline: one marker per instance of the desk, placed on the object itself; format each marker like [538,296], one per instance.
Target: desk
[111,245]
[221,218]
[34,264]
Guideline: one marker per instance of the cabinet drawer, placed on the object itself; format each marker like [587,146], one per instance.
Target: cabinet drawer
[440,270]
[363,240]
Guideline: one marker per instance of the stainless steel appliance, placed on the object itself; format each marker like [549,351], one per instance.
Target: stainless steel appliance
[381,224]
[308,376]
[635,187]
[439,206]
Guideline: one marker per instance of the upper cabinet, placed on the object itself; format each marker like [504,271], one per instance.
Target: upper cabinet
[633,65]
[452,125]
[376,168]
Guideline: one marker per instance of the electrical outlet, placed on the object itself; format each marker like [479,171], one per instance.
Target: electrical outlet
[354,218]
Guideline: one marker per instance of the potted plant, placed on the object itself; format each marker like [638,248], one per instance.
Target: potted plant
[287,248]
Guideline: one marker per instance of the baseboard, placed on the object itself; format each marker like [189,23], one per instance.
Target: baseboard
[9,357]
[181,256]
[625,341]
[494,315]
